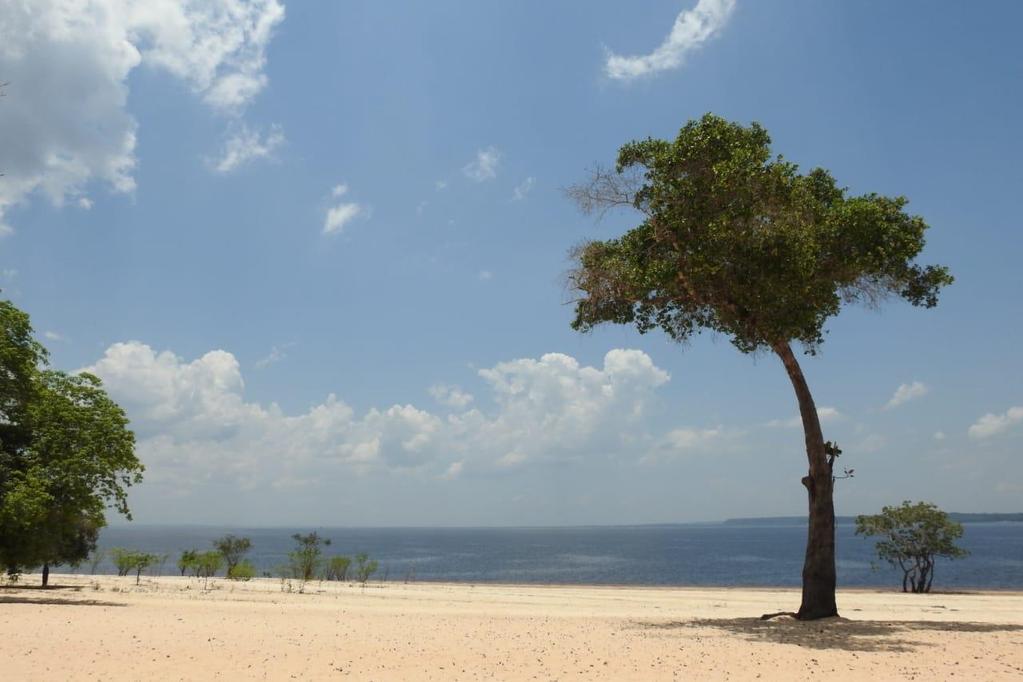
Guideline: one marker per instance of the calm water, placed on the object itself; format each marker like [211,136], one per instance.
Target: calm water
[713,554]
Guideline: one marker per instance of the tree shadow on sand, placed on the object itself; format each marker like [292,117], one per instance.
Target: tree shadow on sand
[834,633]
[36,594]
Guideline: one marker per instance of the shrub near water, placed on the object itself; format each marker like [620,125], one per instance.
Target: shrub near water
[243,570]
[337,568]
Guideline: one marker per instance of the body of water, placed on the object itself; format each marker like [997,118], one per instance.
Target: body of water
[698,554]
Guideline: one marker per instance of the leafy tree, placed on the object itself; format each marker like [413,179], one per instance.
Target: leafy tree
[128,560]
[123,560]
[364,568]
[337,568]
[305,560]
[187,561]
[208,563]
[913,535]
[233,549]
[738,242]
[66,454]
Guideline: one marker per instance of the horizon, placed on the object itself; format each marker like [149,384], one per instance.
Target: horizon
[318,254]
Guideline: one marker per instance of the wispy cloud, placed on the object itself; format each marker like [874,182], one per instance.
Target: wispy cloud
[692,29]
[486,275]
[484,166]
[341,213]
[277,353]
[245,145]
[993,424]
[524,189]
[906,392]
[54,336]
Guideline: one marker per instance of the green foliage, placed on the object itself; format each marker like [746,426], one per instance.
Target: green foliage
[912,535]
[187,561]
[20,357]
[233,549]
[127,560]
[305,560]
[66,454]
[337,568]
[739,242]
[243,570]
[364,567]
[208,563]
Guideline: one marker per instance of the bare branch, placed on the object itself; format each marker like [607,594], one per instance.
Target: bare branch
[605,190]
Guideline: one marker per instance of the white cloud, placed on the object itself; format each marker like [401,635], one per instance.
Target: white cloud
[906,392]
[690,439]
[484,166]
[452,396]
[993,424]
[341,214]
[440,185]
[245,145]
[64,124]
[524,189]
[54,336]
[194,424]
[825,414]
[691,30]
[939,435]
[85,203]
[485,275]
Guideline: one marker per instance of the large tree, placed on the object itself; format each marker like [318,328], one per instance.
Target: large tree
[738,241]
[72,456]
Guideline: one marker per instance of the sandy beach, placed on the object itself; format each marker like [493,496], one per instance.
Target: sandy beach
[170,628]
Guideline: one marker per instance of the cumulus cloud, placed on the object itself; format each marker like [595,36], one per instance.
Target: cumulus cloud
[341,213]
[245,145]
[994,424]
[825,414]
[691,30]
[452,396]
[906,392]
[523,190]
[484,166]
[64,123]
[194,423]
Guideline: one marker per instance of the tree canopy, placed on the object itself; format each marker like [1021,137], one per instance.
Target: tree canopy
[912,535]
[69,456]
[738,241]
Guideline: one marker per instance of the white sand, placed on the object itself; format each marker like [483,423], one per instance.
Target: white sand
[170,629]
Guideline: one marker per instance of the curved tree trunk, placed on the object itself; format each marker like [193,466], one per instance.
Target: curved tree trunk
[819,576]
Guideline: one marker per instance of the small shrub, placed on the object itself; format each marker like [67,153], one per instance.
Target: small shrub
[243,570]
[364,568]
[337,568]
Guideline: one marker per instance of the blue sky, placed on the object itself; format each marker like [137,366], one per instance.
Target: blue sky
[317,250]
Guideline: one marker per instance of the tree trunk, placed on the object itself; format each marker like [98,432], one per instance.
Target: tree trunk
[819,576]
[46,574]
